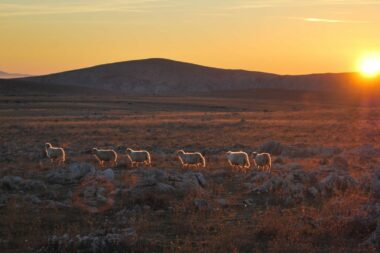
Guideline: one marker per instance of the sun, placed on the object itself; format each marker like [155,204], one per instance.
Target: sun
[369,65]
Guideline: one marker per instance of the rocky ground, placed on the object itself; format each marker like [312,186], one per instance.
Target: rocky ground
[81,208]
[322,196]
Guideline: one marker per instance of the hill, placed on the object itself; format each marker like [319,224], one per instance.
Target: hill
[168,77]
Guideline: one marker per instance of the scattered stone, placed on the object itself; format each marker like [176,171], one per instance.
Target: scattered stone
[34,186]
[248,202]
[313,191]
[11,183]
[74,173]
[157,185]
[278,160]
[201,204]
[109,174]
[334,183]
[272,147]
[222,202]
[340,163]
[33,199]
[97,242]
[324,161]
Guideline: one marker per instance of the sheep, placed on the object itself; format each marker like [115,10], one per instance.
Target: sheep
[262,161]
[55,153]
[238,160]
[191,159]
[138,156]
[105,155]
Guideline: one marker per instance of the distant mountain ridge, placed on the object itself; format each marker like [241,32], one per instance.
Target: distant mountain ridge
[167,77]
[5,75]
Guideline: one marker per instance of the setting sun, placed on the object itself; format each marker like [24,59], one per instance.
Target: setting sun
[369,66]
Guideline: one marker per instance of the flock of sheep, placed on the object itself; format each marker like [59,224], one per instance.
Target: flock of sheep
[237,160]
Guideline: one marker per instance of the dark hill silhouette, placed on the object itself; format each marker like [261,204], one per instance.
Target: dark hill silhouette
[168,77]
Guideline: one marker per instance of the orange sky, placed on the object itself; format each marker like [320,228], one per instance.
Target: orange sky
[280,36]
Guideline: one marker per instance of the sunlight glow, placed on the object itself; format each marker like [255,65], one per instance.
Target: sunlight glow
[369,66]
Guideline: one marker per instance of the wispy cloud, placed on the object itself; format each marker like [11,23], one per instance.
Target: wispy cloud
[15,8]
[324,20]
[258,4]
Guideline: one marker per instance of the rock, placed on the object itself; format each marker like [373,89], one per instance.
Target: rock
[336,183]
[201,179]
[272,147]
[3,200]
[222,202]
[294,166]
[324,161]
[34,186]
[327,152]
[278,160]
[32,199]
[160,212]
[304,151]
[312,191]
[248,202]
[74,173]
[51,204]
[11,183]
[99,241]
[340,163]
[366,150]
[298,151]
[271,185]
[109,174]
[289,202]
[159,186]
[201,204]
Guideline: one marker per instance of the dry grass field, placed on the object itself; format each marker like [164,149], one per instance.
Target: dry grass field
[322,195]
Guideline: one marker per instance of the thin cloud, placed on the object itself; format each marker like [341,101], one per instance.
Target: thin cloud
[258,4]
[31,9]
[324,20]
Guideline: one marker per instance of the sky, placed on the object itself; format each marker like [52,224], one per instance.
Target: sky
[278,36]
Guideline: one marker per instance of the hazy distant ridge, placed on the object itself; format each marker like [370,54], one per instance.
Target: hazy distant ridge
[5,75]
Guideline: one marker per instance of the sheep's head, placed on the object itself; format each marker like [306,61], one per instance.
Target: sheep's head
[180,152]
[48,145]
[128,151]
[254,154]
[94,150]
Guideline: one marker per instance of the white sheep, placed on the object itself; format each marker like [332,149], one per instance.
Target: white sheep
[139,156]
[55,153]
[191,159]
[105,155]
[262,161]
[238,160]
